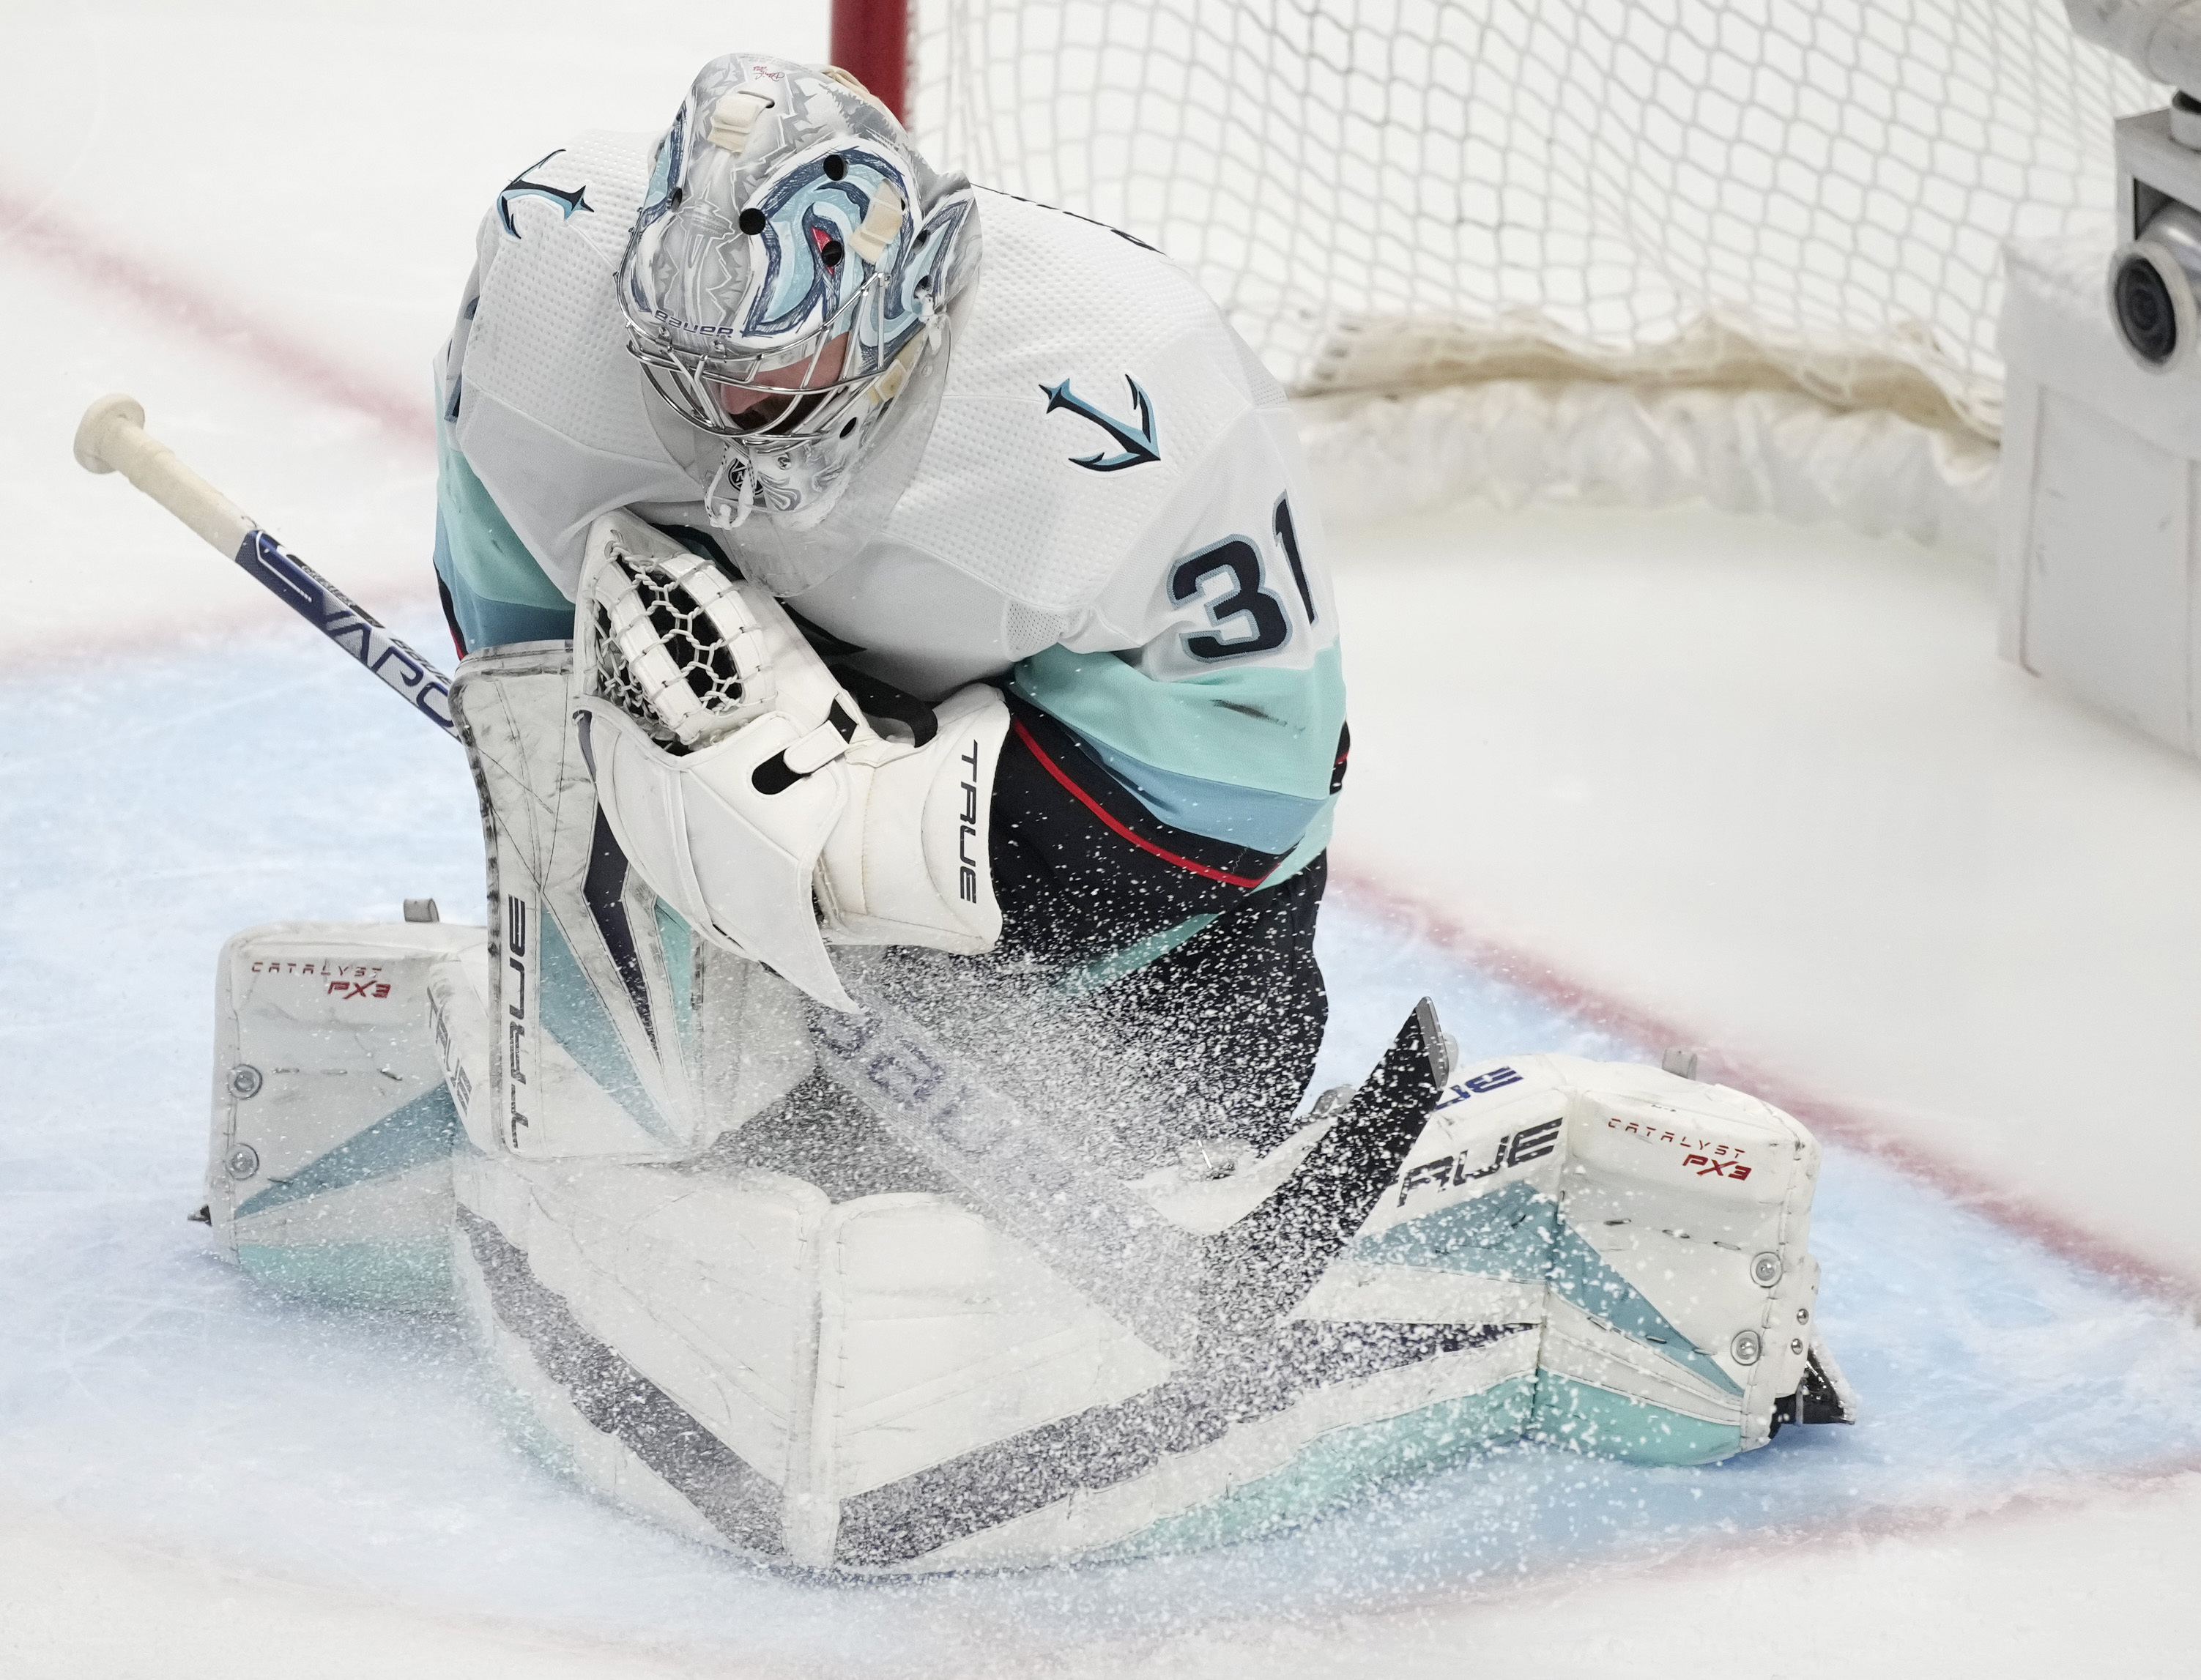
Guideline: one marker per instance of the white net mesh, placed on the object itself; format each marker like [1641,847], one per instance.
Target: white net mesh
[1388,194]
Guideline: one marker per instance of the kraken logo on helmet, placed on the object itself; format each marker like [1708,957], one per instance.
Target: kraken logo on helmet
[790,271]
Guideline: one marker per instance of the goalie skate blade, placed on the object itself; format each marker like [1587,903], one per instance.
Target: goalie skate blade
[1821,1397]
[1267,1264]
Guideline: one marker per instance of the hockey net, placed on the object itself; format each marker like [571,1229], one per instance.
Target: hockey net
[1606,248]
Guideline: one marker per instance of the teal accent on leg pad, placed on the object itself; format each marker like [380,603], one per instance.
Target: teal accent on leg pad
[1584,1419]
[1516,1233]
[677,940]
[426,1129]
[574,1015]
[1344,1465]
[404,1277]
[1505,1234]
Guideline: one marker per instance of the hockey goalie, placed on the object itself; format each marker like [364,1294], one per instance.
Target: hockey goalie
[902,684]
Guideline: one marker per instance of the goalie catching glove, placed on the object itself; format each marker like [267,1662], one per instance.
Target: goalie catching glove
[746,786]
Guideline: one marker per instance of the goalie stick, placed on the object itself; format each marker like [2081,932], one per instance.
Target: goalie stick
[112,438]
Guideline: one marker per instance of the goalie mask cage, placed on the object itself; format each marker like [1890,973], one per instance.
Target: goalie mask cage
[1623,250]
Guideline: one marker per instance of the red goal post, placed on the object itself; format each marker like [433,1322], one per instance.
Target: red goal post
[871,40]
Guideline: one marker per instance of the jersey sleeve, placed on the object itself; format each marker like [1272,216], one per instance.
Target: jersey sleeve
[494,590]
[542,418]
[1184,747]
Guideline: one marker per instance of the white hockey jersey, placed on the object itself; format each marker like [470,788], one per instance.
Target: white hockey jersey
[1110,514]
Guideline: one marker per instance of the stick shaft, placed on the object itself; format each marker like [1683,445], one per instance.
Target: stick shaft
[348,624]
[113,438]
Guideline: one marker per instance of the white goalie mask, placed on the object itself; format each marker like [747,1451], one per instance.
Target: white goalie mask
[787,281]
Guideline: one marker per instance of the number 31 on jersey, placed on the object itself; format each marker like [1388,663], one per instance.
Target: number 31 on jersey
[1244,616]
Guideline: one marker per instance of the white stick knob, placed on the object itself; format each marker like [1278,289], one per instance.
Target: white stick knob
[112,438]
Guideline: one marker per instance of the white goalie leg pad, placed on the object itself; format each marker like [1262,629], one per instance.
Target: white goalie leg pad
[1695,1200]
[1658,1228]
[330,1170]
[906,862]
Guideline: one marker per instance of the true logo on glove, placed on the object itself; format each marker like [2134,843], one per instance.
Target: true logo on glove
[968,880]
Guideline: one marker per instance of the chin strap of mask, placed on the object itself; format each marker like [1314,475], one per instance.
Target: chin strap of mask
[731,493]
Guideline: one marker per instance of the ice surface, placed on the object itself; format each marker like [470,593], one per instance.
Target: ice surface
[150,811]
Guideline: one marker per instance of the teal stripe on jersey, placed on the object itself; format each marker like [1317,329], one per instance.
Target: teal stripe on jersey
[1309,848]
[489,624]
[1200,805]
[1242,755]
[498,594]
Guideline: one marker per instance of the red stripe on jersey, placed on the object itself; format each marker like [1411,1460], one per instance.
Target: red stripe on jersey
[1142,843]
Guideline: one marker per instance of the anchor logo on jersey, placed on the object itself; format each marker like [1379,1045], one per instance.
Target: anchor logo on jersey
[568,199]
[1138,446]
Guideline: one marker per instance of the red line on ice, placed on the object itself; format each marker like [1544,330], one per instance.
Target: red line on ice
[1968,1506]
[1846,1126]
[96,261]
